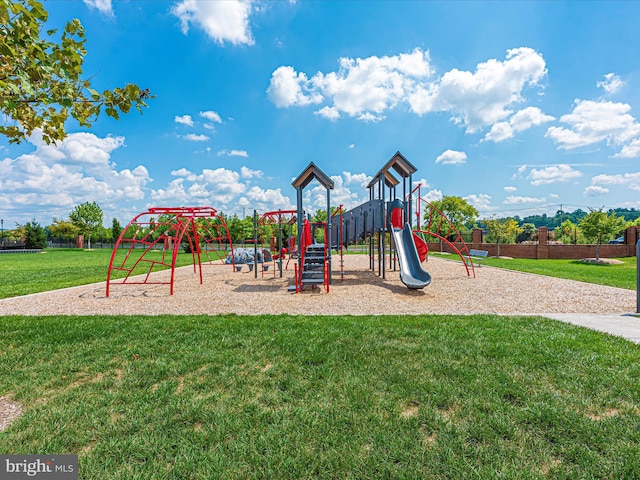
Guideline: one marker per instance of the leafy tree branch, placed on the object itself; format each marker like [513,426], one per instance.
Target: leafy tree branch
[41,79]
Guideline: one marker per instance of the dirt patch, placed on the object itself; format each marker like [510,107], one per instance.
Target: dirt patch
[609,412]
[410,411]
[601,261]
[9,412]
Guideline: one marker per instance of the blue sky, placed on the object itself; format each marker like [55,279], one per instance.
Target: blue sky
[519,107]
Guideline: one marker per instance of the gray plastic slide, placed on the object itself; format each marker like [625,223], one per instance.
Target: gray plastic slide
[411,272]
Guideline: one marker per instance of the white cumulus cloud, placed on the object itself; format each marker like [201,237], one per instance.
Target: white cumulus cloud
[519,200]
[363,88]
[211,116]
[184,120]
[222,21]
[595,190]
[56,177]
[611,83]
[193,137]
[289,88]
[432,195]
[361,179]
[103,6]
[552,174]
[631,180]
[269,199]
[486,96]
[246,172]
[366,88]
[519,122]
[593,122]
[233,153]
[452,157]
[481,201]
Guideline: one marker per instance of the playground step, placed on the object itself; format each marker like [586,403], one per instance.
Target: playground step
[314,261]
[312,281]
[306,274]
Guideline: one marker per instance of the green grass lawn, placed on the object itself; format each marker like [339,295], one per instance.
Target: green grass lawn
[24,273]
[623,275]
[281,397]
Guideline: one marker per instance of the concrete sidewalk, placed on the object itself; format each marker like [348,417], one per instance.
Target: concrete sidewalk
[625,326]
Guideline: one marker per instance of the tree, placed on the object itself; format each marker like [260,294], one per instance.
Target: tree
[502,230]
[598,226]
[116,229]
[460,212]
[527,233]
[87,217]
[41,82]
[34,235]
[568,232]
[240,229]
[63,228]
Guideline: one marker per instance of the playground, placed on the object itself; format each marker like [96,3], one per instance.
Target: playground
[363,292]
[127,365]
[292,272]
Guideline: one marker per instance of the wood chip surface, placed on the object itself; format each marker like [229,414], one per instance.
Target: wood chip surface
[362,292]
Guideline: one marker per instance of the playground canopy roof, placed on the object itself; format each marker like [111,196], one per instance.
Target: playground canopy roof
[310,173]
[389,180]
[400,164]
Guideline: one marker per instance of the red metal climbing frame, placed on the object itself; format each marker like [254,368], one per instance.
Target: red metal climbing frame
[281,247]
[440,227]
[152,240]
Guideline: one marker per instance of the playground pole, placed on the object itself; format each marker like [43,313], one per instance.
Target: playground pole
[255,244]
[280,246]
[327,240]
[638,276]
[300,220]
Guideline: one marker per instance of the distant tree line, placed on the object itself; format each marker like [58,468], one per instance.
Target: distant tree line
[579,226]
[554,221]
[593,226]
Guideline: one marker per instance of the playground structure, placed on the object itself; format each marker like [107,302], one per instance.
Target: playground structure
[411,272]
[314,259]
[281,246]
[152,239]
[440,227]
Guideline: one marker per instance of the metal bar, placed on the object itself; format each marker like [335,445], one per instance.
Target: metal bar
[255,244]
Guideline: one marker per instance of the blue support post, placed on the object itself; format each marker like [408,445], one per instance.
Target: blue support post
[255,244]
[638,276]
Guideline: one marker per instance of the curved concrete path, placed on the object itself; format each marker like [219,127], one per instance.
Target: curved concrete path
[625,326]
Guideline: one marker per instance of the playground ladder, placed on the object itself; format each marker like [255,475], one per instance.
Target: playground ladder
[313,267]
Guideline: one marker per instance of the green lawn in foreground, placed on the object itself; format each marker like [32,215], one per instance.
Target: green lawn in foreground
[24,273]
[622,275]
[329,397]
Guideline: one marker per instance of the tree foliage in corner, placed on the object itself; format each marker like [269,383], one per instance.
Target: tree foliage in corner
[41,82]
[88,218]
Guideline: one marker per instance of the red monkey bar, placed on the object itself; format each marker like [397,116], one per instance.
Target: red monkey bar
[151,242]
